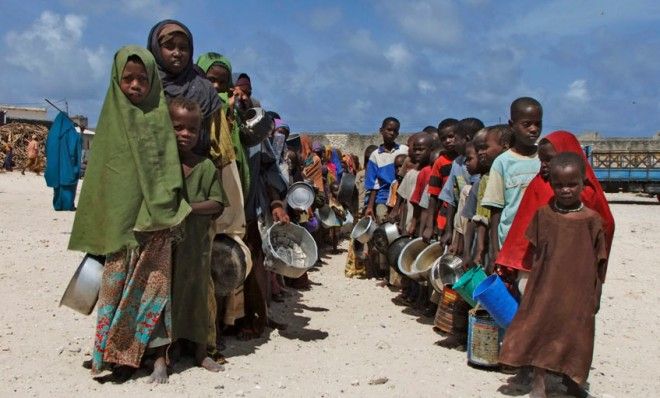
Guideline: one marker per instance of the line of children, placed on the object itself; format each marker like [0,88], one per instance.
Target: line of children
[508,203]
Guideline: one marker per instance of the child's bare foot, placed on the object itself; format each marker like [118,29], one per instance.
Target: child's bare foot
[204,361]
[159,375]
[538,384]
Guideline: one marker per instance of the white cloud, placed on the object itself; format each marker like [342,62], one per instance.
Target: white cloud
[150,9]
[426,86]
[324,17]
[63,59]
[577,91]
[398,55]
[362,42]
[434,23]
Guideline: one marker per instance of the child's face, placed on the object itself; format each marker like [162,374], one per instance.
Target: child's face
[546,153]
[186,126]
[389,132]
[447,138]
[492,149]
[471,160]
[134,82]
[421,151]
[219,77]
[175,53]
[527,126]
[567,184]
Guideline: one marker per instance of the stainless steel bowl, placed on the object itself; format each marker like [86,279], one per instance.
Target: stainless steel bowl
[408,255]
[434,277]
[83,290]
[364,229]
[346,189]
[229,264]
[280,249]
[395,249]
[300,196]
[385,235]
[256,127]
[451,268]
[427,258]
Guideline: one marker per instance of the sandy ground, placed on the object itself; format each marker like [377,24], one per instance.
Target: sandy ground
[342,334]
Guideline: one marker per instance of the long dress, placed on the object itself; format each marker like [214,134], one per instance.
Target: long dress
[554,326]
[192,258]
[63,155]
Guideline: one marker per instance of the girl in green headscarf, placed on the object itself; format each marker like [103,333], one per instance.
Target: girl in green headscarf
[129,204]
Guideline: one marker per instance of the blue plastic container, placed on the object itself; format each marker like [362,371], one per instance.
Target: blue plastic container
[496,299]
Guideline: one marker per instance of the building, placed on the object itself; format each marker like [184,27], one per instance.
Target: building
[24,114]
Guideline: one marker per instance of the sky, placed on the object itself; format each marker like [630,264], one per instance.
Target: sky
[344,66]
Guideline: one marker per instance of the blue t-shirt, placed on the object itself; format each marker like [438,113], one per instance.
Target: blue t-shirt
[381,171]
[458,177]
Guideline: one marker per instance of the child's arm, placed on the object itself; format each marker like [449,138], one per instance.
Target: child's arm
[432,214]
[411,228]
[480,245]
[207,207]
[445,239]
[468,239]
[495,214]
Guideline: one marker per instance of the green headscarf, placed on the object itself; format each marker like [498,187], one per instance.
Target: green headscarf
[133,180]
[205,62]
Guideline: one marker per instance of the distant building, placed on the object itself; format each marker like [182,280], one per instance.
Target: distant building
[24,114]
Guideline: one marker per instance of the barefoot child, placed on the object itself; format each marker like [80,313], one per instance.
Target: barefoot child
[192,256]
[131,199]
[554,326]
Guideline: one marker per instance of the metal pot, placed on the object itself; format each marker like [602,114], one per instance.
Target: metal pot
[83,290]
[385,235]
[300,196]
[450,269]
[346,189]
[364,229]
[327,217]
[394,250]
[407,257]
[427,258]
[256,127]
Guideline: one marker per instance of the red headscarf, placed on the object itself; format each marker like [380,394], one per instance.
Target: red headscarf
[516,251]
[311,163]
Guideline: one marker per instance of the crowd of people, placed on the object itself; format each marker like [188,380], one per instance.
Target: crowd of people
[172,170]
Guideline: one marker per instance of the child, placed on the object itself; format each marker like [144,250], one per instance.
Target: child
[512,171]
[497,140]
[516,253]
[554,326]
[131,199]
[380,174]
[192,256]
[421,152]
[458,176]
[470,199]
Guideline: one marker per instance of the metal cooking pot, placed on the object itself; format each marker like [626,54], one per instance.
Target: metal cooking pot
[447,270]
[427,258]
[281,236]
[408,255]
[395,249]
[364,229]
[257,125]
[385,235]
[346,189]
[83,290]
[327,217]
[300,195]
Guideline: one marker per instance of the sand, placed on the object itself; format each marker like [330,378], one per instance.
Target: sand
[342,335]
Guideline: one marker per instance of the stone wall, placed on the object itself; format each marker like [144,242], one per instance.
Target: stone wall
[356,143]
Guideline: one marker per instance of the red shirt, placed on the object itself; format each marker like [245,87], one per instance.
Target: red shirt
[422,181]
[439,174]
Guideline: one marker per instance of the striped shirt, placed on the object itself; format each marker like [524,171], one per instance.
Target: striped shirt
[381,171]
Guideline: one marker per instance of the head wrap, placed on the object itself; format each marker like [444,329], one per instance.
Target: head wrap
[281,123]
[133,180]
[243,80]
[206,61]
[516,251]
[188,83]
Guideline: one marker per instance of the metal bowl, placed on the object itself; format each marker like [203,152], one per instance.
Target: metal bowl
[408,255]
[395,249]
[83,290]
[385,235]
[290,250]
[451,268]
[327,217]
[434,277]
[427,258]
[300,196]
[364,229]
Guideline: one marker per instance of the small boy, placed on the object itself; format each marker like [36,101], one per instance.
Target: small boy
[512,171]
[470,202]
[192,256]
[422,146]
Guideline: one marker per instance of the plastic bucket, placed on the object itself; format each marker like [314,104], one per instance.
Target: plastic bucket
[496,299]
[484,339]
[468,282]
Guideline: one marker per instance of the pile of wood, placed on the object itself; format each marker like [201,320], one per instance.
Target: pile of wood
[19,136]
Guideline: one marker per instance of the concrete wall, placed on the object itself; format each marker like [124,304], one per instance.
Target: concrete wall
[356,143]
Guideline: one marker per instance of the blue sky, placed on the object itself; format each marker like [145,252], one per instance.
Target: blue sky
[345,65]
